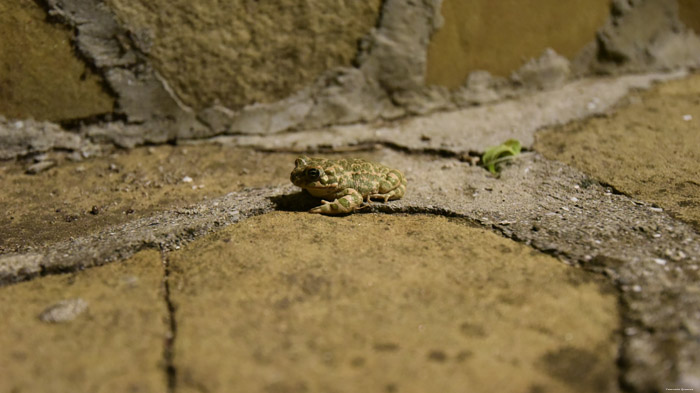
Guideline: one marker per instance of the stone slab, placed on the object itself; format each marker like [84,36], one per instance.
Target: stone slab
[100,330]
[647,148]
[78,198]
[239,53]
[500,36]
[385,303]
[41,77]
[651,258]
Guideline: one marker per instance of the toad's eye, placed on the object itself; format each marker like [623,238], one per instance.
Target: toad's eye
[313,173]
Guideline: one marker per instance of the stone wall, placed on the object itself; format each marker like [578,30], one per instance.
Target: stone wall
[129,73]
[41,76]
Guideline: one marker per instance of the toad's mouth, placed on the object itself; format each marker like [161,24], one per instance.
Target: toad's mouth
[321,186]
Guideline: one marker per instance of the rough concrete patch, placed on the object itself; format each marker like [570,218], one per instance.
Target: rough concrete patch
[260,118]
[472,129]
[116,347]
[164,230]
[424,303]
[20,265]
[341,96]
[128,135]
[396,53]
[481,88]
[647,148]
[348,95]
[546,72]
[645,35]
[24,137]
[143,97]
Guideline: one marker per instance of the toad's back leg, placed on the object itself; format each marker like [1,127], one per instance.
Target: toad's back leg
[393,186]
[347,201]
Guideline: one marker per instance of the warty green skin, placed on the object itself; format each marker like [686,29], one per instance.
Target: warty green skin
[344,184]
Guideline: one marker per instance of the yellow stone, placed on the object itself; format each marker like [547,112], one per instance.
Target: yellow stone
[500,36]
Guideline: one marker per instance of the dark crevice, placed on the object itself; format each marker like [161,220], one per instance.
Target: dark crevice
[370,145]
[87,60]
[77,123]
[364,44]
[291,203]
[171,334]
[299,202]
[615,191]
[445,153]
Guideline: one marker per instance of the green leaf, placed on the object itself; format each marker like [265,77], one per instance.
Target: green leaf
[497,154]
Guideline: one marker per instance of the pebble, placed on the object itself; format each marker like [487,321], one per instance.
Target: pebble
[63,311]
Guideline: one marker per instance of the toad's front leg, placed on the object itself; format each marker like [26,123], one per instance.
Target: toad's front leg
[347,201]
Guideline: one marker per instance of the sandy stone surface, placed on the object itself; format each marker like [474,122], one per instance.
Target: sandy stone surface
[385,303]
[100,330]
[76,198]
[500,36]
[646,149]
[40,77]
[242,52]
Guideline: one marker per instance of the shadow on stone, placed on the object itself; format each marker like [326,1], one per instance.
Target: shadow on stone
[297,202]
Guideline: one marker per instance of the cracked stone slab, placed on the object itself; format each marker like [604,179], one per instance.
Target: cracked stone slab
[647,148]
[142,95]
[652,258]
[644,35]
[165,230]
[76,198]
[471,129]
[416,303]
[97,328]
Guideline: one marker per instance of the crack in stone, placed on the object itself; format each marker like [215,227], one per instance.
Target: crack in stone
[625,355]
[374,145]
[168,230]
[171,334]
